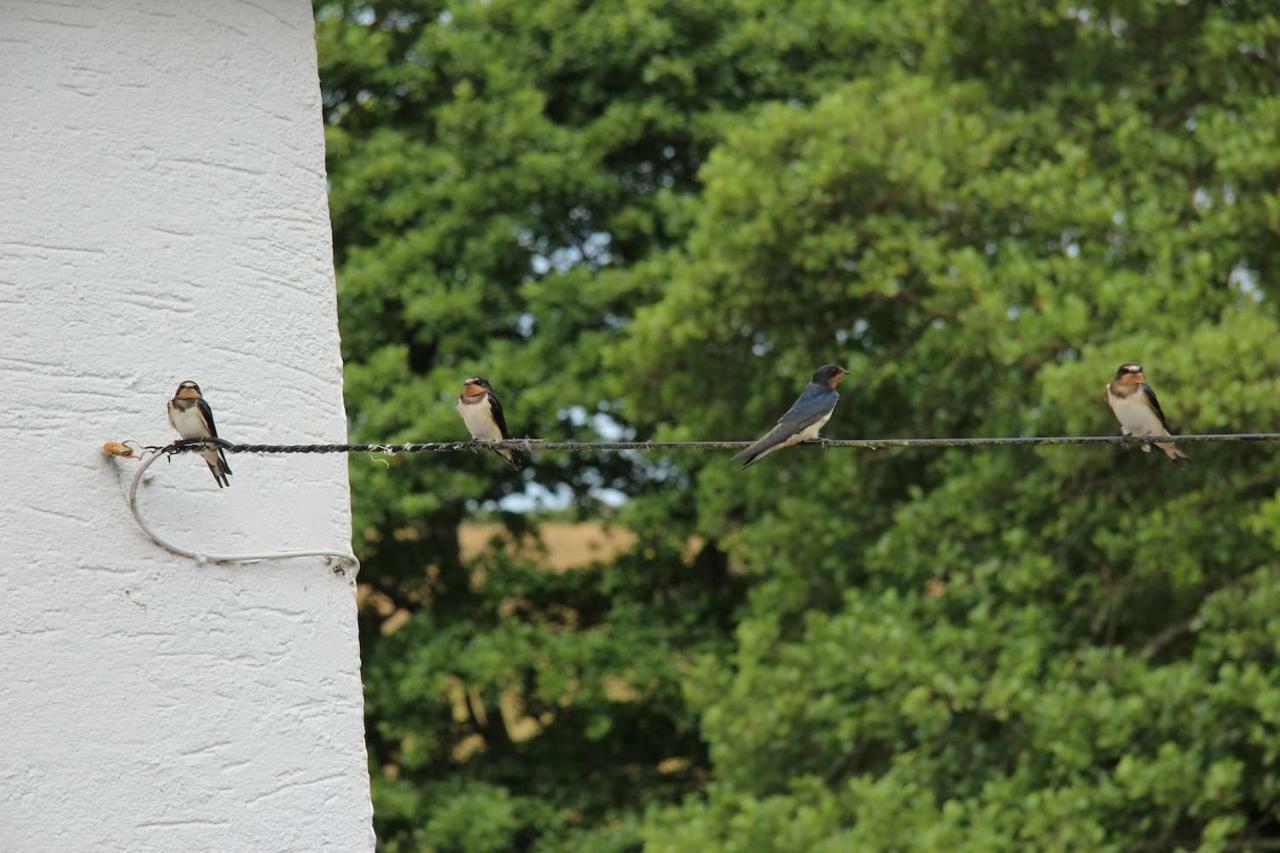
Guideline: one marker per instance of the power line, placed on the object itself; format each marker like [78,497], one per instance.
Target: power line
[536,444]
[343,561]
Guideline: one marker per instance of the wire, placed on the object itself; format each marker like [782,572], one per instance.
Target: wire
[341,560]
[535,444]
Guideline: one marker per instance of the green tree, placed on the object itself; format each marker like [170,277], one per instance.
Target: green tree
[1063,649]
[496,168]
[658,218]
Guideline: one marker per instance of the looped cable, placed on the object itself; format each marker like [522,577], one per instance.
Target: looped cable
[341,561]
[131,449]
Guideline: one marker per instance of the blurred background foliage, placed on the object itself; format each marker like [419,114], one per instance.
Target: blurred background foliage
[654,219]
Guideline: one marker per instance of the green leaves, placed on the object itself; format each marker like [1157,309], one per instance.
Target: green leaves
[658,220]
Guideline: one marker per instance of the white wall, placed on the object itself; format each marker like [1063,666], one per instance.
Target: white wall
[163,217]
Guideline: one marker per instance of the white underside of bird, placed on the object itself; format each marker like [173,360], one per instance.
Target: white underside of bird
[1136,416]
[187,422]
[479,419]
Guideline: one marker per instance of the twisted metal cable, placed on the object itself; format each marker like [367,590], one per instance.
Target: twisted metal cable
[536,444]
[345,559]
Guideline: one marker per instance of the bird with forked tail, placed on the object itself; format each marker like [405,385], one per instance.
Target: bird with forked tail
[191,417]
[482,413]
[1135,405]
[806,417]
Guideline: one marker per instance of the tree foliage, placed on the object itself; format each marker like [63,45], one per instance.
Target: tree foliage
[657,219]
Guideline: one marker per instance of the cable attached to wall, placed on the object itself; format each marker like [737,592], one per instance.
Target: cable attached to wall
[343,563]
[537,444]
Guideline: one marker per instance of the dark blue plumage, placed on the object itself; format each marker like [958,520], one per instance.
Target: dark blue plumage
[806,417]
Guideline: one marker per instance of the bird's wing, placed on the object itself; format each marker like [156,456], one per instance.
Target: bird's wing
[206,414]
[813,404]
[1149,394]
[496,408]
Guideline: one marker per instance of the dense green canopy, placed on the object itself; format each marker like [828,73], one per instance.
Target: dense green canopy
[657,219]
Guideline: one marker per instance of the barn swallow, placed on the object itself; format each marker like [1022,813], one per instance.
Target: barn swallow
[482,413]
[191,417]
[1135,405]
[809,414]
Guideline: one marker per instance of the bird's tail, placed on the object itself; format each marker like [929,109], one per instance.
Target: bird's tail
[1171,450]
[217,462]
[762,448]
[517,459]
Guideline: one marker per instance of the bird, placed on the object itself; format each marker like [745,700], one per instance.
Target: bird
[191,418]
[809,414]
[482,413]
[1135,405]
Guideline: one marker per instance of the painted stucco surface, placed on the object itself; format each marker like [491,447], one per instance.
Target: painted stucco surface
[163,217]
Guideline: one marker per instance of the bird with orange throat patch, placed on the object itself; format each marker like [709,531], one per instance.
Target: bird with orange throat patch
[806,417]
[481,411]
[191,417]
[1135,405]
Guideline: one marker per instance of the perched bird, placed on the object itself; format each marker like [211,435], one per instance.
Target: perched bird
[809,414]
[1135,405]
[191,417]
[482,413]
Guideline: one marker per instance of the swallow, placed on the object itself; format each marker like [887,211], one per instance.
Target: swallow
[191,417]
[1135,405]
[809,414]
[482,413]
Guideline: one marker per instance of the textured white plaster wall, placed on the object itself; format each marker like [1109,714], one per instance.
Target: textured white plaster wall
[163,217]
